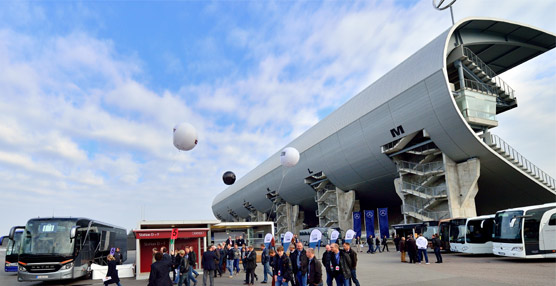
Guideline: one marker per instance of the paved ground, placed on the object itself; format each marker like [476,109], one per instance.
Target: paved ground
[385,269]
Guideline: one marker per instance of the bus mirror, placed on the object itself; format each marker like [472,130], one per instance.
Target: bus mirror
[512,222]
[73,232]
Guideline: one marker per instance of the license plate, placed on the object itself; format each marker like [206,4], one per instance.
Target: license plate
[502,253]
[42,277]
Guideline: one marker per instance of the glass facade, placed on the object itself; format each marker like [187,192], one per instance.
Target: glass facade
[476,105]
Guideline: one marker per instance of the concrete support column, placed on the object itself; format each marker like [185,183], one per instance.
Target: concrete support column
[462,187]
[345,202]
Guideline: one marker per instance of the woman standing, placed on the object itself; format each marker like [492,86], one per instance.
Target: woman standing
[112,274]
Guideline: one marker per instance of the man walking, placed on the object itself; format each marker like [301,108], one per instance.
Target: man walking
[237,256]
[326,260]
[314,269]
[436,245]
[397,242]
[339,266]
[230,259]
[192,257]
[282,268]
[250,265]
[385,244]
[207,262]
[377,244]
[299,264]
[422,245]
[370,244]
[265,261]
[353,257]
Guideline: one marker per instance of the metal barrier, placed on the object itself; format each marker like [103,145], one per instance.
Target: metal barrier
[518,159]
[430,191]
[493,76]
[424,168]
[436,215]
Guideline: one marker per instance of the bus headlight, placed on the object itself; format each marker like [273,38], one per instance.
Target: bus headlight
[68,265]
[517,248]
[22,269]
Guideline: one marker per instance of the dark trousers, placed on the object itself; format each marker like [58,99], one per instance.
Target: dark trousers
[412,256]
[354,278]
[438,255]
[250,276]
[385,246]
[329,278]
[341,280]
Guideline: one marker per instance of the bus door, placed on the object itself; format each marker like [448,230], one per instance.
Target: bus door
[547,239]
[532,230]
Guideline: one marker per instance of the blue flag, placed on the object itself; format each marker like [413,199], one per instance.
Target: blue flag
[383,222]
[357,224]
[370,223]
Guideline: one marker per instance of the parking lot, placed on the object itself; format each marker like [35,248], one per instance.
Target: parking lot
[386,269]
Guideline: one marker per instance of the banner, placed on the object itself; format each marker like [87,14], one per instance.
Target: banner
[349,235]
[287,240]
[357,223]
[268,239]
[370,223]
[334,237]
[383,222]
[315,238]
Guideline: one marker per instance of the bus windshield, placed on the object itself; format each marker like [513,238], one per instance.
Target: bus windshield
[507,227]
[14,245]
[479,231]
[457,230]
[48,237]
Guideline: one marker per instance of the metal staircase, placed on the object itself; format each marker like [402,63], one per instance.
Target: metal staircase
[514,157]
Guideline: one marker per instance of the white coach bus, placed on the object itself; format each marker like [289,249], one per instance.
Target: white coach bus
[527,232]
[472,235]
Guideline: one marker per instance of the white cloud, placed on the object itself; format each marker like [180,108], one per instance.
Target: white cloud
[77,120]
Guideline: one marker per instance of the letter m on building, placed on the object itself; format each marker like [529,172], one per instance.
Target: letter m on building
[397,131]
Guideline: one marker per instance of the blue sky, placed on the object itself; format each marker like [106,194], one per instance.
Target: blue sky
[91,91]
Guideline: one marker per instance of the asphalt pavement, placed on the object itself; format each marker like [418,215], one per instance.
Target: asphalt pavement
[386,269]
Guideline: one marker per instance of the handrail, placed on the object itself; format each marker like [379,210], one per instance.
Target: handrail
[435,215]
[425,168]
[493,140]
[493,76]
[479,86]
[431,191]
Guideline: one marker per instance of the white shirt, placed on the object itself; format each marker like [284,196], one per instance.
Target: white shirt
[422,242]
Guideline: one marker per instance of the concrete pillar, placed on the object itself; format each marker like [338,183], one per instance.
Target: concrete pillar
[345,202]
[462,187]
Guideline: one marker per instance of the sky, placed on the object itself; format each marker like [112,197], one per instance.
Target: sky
[91,90]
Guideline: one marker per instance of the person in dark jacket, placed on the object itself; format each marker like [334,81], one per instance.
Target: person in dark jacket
[230,242]
[183,267]
[339,265]
[112,272]
[402,248]
[176,260]
[314,269]
[353,257]
[436,246]
[119,257]
[385,243]
[217,261]
[159,272]
[397,242]
[282,268]
[326,256]
[265,261]
[207,262]
[299,264]
[411,249]
[377,244]
[222,252]
[250,265]
[272,255]
[370,244]
[192,256]
[230,259]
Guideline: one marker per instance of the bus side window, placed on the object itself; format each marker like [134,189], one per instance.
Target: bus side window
[552,220]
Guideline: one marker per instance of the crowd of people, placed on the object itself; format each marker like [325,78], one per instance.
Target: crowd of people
[295,266]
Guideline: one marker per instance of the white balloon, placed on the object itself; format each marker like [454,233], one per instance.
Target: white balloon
[185,136]
[289,157]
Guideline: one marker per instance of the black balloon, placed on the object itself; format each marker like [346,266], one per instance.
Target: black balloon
[229,178]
